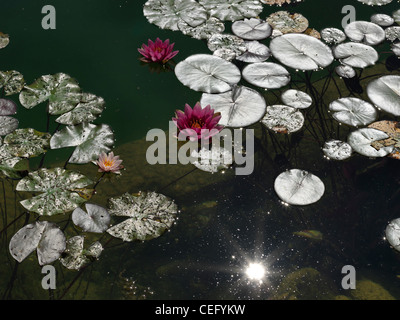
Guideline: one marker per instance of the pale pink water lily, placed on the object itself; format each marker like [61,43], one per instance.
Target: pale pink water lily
[109,163]
[157,51]
[198,123]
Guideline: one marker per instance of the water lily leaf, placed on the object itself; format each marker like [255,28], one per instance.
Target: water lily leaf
[59,190]
[7,107]
[364,31]
[255,52]
[345,71]
[203,31]
[266,75]
[8,125]
[151,214]
[252,29]
[283,119]
[396,16]
[353,111]
[356,55]
[392,33]
[213,160]
[43,236]
[10,165]
[392,233]
[337,150]
[226,46]
[96,218]
[89,139]
[75,257]
[90,107]
[395,48]
[207,73]
[392,129]
[4,40]
[62,92]
[27,143]
[299,187]
[382,19]
[166,14]
[12,82]
[333,35]
[286,22]
[375,2]
[296,99]
[361,140]
[239,107]
[232,10]
[384,92]
[300,51]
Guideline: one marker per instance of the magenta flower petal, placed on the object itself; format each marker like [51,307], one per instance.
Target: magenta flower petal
[157,51]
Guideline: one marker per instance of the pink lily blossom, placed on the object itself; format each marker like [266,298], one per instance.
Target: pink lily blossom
[157,51]
[109,163]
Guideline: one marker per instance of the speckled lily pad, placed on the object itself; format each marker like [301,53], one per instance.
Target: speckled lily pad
[27,143]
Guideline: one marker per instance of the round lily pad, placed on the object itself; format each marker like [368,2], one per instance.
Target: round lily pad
[392,233]
[296,99]
[266,75]
[8,125]
[365,31]
[333,35]
[255,52]
[384,92]
[337,150]
[12,82]
[252,29]
[382,19]
[356,55]
[283,119]
[353,111]
[226,46]
[27,143]
[287,22]
[232,10]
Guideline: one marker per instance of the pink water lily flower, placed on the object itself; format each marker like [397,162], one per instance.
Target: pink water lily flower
[109,163]
[198,123]
[157,51]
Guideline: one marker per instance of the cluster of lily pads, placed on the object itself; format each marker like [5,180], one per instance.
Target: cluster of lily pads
[62,191]
[234,76]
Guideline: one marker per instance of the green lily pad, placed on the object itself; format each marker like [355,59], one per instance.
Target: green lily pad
[150,215]
[89,139]
[8,125]
[12,82]
[11,166]
[232,10]
[27,143]
[59,190]
[62,92]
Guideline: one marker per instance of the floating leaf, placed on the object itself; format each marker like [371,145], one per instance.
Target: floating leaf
[382,20]
[207,73]
[345,71]
[375,2]
[396,48]
[89,139]
[239,107]
[7,107]
[299,187]
[62,92]
[266,75]
[255,52]
[27,143]
[296,99]
[252,29]
[232,10]
[283,119]
[286,22]
[337,150]
[353,111]
[12,82]
[392,33]
[166,14]
[8,125]
[87,110]
[43,236]
[75,257]
[361,141]
[151,214]
[58,187]
[392,233]
[226,46]
[204,30]
[392,129]
[213,160]
[333,35]
[10,165]
[356,55]
[364,31]
[384,92]
[96,218]
[4,40]
[300,51]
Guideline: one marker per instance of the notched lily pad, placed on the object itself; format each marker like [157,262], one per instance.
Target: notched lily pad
[384,92]
[267,75]
[252,29]
[232,10]
[75,257]
[362,139]
[12,82]
[96,218]
[255,52]
[27,143]
[353,111]
[356,55]
[283,119]
[364,31]
[296,99]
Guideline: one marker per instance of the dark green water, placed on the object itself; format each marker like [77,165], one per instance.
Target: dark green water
[226,222]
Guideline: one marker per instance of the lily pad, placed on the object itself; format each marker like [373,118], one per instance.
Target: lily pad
[75,257]
[255,52]
[345,71]
[214,160]
[150,215]
[333,35]
[7,107]
[384,92]
[287,22]
[299,187]
[12,82]
[266,75]
[283,119]
[252,29]
[375,2]
[62,92]
[356,55]
[232,10]
[392,233]
[10,165]
[392,33]
[300,51]
[296,99]
[226,46]
[203,31]
[96,218]
[27,143]
[353,111]
[382,19]
[87,110]
[59,190]
[89,139]
[396,48]
[4,40]
[207,73]
[365,31]
[44,237]
[392,129]
[361,141]
[337,150]
[166,14]
[239,107]
[8,125]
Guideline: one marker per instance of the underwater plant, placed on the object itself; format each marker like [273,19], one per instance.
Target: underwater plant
[157,51]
